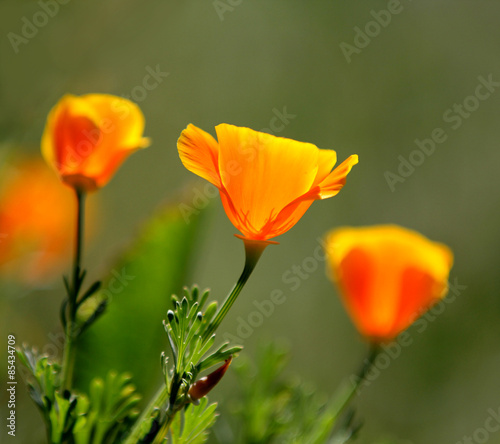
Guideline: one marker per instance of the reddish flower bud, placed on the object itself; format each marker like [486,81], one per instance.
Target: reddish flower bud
[201,387]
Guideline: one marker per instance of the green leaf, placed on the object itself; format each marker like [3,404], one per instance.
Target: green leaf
[192,426]
[110,410]
[57,417]
[221,354]
[129,336]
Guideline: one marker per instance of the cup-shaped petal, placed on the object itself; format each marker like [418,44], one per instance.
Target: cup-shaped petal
[387,276]
[266,183]
[87,138]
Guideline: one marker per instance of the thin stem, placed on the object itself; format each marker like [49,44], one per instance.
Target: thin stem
[174,388]
[253,251]
[159,400]
[68,360]
[80,221]
[71,329]
[366,365]
[160,437]
[350,388]
[173,408]
[228,303]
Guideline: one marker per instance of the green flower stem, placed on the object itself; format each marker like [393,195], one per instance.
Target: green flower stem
[157,402]
[80,197]
[350,388]
[68,360]
[160,437]
[172,409]
[253,251]
[71,328]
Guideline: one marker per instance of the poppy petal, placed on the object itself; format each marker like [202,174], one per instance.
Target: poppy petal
[333,183]
[269,173]
[326,161]
[199,153]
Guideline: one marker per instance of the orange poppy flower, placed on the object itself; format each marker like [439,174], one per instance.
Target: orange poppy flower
[87,138]
[266,183]
[37,216]
[387,276]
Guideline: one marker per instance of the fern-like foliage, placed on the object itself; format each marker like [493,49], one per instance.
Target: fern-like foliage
[181,410]
[275,409]
[192,426]
[101,417]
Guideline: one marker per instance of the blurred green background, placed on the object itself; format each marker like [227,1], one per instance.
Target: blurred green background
[238,62]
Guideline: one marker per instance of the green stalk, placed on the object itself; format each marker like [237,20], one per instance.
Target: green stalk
[173,408]
[253,251]
[160,437]
[350,388]
[157,402]
[70,332]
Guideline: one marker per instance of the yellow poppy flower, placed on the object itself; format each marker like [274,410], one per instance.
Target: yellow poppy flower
[387,276]
[266,183]
[87,138]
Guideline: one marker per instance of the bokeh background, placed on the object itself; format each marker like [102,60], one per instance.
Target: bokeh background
[241,62]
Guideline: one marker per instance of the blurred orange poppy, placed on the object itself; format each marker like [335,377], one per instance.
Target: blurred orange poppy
[266,183]
[387,276]
[37,218]
[87,138]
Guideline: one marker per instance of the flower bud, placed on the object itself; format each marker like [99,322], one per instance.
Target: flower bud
[201,387]
[87,138]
